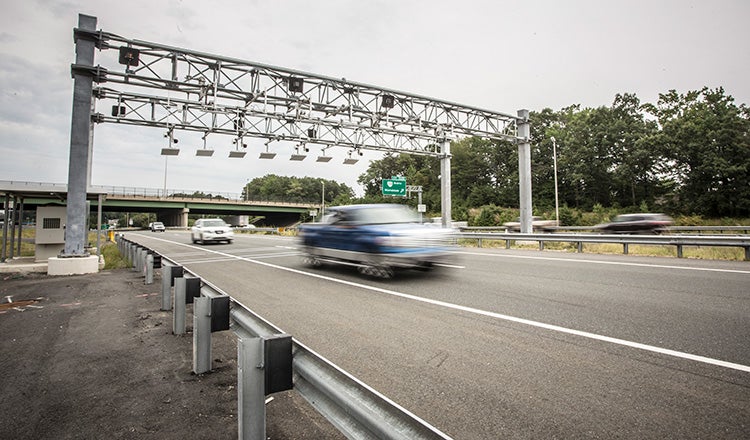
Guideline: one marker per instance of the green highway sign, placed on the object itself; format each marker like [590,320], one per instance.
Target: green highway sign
[394,187]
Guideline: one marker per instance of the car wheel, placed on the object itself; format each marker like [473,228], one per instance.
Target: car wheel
[192,237]
[229,241]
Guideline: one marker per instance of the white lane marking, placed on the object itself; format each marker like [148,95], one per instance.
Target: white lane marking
[450,266]
[614,263]
[472,310]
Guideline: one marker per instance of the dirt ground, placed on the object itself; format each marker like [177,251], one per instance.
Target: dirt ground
[93,357]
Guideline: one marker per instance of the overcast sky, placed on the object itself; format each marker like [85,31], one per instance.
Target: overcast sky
[494,54]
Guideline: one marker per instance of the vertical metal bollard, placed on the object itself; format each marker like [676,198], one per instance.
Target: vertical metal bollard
[142,261]
[166,287]
[251,397]
[149,269]
[131,255]
[178,317]
[201,335]
[137,265]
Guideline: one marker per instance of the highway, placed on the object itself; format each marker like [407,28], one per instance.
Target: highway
[514,344]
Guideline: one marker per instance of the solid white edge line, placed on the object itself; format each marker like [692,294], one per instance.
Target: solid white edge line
[551,327]
[613,263]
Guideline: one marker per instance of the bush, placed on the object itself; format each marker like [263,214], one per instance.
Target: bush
[112,257]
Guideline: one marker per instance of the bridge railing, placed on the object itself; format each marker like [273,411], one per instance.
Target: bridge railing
[353,407]
[183,194]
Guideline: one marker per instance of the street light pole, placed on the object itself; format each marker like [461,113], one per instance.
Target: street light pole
[164,194]
[554,160]
[322,198]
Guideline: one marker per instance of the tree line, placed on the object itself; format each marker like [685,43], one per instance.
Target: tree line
[686,154]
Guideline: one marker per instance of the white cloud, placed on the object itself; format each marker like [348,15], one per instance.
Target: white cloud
[499,55]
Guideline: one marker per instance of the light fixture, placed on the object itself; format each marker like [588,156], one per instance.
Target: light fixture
[267,154]
[388,101]
[323,157]
[118,110]
[237,153]
[297,156]
[204,152]
[170,150]
[129,56]
[296,84]
[350,160]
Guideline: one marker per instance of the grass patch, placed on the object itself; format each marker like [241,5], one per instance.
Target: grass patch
[112,257]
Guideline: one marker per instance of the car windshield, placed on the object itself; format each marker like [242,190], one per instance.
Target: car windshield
[158,224]
[214,223]
[386,214]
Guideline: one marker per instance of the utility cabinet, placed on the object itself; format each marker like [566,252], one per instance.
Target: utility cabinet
[50,232]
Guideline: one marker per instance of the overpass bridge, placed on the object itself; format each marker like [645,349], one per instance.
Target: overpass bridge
[171,207]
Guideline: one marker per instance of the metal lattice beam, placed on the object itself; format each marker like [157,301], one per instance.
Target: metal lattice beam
[214,94]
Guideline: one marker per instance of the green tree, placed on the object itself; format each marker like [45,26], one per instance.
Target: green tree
[705,142]
[296,189]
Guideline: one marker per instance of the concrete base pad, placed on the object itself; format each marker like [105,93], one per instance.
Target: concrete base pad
[72,265]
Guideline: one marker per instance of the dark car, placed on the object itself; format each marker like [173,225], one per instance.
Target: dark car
[377,239]
[637,223]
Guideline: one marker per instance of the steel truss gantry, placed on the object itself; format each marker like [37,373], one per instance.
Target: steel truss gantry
[213,94]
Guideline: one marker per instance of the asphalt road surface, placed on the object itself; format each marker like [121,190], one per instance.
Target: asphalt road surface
[514,344]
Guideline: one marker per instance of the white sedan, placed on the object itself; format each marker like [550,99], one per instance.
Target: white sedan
[211,229]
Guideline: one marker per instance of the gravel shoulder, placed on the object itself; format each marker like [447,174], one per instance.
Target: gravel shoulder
[92,356]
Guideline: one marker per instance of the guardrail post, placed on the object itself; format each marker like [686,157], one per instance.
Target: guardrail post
[251,387]
[679,251]
[201,335]
[142,260]
[541,245]
[149,269]
[747,253]
[507,244]
[625,248]
[178,317]
[168,275]
[479,242]
[580,247]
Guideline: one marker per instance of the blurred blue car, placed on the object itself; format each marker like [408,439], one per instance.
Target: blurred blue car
[377,239]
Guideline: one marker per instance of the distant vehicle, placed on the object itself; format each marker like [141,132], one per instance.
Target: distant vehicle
[377,239]
[157,227]
[211,229]
[637,223]
[537,224]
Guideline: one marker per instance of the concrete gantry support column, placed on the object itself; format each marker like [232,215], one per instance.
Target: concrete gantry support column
[184,218]
[445,183]
[524,170]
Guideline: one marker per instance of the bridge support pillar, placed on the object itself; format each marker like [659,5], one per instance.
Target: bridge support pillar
[184,218]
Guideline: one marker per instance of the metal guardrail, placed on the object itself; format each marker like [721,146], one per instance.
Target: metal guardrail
[679,241]
[354,408]
[672,229]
